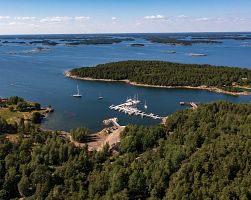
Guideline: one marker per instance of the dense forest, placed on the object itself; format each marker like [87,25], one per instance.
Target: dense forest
[168,74]
[199,154]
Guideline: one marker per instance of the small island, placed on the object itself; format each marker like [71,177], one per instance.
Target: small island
[183,42]
[137,45]
[97,41]
[228,80]
[43,42]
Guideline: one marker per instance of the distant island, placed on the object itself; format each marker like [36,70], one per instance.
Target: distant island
[137,45]
[228,80]
[175,41]
[97,41]
[44,42]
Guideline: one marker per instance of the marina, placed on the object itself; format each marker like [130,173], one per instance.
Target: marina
[129,108]
[40,79]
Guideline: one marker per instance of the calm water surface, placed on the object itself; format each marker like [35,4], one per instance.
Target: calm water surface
[39,77]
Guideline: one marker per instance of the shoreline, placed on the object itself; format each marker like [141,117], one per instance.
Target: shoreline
[210,89]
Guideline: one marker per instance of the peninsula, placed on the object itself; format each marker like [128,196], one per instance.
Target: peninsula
[228,80]
[16,110]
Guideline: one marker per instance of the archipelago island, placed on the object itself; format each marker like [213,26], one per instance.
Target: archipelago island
[161,74]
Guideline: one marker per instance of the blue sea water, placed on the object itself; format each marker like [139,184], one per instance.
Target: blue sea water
[38,76]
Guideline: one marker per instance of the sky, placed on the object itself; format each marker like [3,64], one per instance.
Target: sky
[123,16]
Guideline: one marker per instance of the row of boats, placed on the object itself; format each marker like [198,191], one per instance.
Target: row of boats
[78,95]
[129,107]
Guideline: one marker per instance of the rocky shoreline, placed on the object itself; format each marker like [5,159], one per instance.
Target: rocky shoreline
[211,89]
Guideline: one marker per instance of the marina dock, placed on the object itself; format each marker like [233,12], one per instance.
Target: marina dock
[129,108]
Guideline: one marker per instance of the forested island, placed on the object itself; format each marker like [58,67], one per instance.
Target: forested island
[97,41]
[202,154]
[229,80]
[175,41]
[44,42]
[222,37]
[137,45]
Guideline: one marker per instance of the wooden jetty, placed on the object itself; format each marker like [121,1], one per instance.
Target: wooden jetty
[129,107]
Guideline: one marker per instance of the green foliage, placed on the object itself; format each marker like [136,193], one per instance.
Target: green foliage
[24,187]
[14,100]
[37,106]
[36,117]
[22,106]
[199,154]
[98,41]
[163,39]
[6,127]
[168,74]
[11,108]
[140,138]
[80,134]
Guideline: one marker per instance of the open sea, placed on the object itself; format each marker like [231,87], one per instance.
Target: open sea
[38,76]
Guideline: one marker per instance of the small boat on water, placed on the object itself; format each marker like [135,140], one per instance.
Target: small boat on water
[100,97]
[171,52]
[197,54]
[78,95]
[145,106]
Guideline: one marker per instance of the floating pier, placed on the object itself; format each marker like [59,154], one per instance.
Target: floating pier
[129,108]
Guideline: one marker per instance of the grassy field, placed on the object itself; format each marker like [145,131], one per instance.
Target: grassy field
[14,116]
[10,116]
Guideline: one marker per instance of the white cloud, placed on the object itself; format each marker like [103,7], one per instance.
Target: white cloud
[151,23]
[202,19]
[82,18]
[25,18]
[154,17]
[115,20]
[56,19]
[64,19]
[4,17]
[182,16]
[16,23]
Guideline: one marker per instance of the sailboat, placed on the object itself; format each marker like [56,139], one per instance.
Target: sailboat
[145,106]
[78,94]
[100,97]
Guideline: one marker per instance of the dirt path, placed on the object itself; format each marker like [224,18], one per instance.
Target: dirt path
[101,139]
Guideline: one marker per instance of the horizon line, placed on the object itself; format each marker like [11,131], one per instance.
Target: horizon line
[114,33]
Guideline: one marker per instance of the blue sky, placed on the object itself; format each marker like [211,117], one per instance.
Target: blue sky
[107,16]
